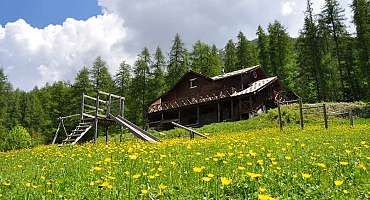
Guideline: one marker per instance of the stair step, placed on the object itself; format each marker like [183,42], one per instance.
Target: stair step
[68,140]
[83,126]
[75,135]
[84,123]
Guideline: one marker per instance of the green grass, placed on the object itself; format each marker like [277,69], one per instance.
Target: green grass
[248,160]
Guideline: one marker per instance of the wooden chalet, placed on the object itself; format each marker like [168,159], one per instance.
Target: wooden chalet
[197,100]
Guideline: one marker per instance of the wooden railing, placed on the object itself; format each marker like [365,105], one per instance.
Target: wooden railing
[182,102]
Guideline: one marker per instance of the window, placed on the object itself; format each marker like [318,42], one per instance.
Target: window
[254,74]
[193,83]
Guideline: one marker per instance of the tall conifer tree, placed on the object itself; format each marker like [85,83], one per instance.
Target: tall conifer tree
[263,50]
[230,58]
[178,61]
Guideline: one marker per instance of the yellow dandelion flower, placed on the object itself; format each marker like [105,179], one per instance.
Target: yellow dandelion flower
[322,165]
[254,175]
[108,160]
[50,191]
[220,155]
[106,184]
[6,183]
[345,191]
[136,176]
[98,169]
[206,179]
[306,175]
[241,168]
[144,191]
[265,197]
[288,158]
[338,182]
[197,169]
[162,186]
[210,175]
[343,163]
[260,162]
[261,189]
[133,157]
[225,181]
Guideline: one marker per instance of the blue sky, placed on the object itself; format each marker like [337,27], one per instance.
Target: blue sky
[40,13]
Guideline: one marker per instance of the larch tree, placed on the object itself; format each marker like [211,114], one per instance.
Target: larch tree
[158,82]
[100,76]
[199,58]
[178,62]
[263,50]
[139,89]
[122,79]
[215,61]
[230,57]
[361,19]
[311,73]
[245,52]
[333,16]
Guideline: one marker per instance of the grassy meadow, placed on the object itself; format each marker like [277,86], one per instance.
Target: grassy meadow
[235,162]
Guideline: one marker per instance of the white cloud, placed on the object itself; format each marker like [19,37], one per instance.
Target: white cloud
[33,56]
[288,7]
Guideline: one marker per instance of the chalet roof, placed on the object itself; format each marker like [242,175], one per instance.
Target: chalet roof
[234,73]
[256,86]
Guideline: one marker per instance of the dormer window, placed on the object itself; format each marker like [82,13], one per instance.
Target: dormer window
[193,83]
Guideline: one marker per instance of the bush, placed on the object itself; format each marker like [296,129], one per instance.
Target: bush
[16,138]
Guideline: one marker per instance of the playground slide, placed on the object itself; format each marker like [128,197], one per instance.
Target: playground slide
[134,129]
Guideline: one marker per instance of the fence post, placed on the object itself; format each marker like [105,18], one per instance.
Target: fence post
[350,113]
[325,116]
[82,107]
[96,116]
[280,119]
[109,104]
[106,133]
[301,113]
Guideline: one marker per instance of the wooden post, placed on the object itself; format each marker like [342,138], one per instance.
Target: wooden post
[301,120]
[198,118]
[232,109]
[82,107]
[123,107]
[106,133]
[280,119]
[218,112]
[350,113]
[240,108]
[56,133]
[179,115]
[325,116]
[108,102]
[96,116]
[64,128]
[121,113]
